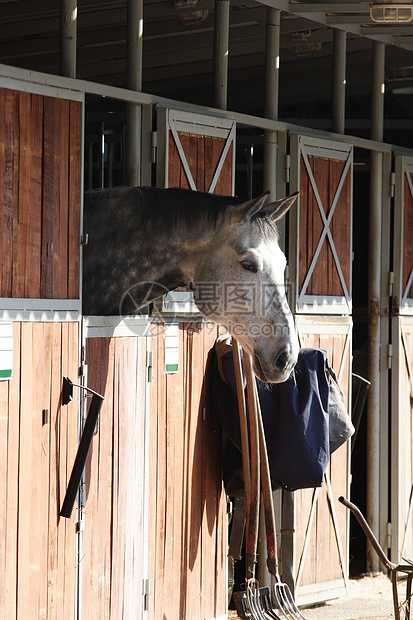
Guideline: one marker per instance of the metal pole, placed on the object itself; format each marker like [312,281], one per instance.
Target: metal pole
[134,82]
[68,31]
[221,52]
[373,361]
[339,81]
[272,68]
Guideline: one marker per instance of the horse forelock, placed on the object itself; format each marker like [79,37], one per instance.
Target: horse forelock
[267,227]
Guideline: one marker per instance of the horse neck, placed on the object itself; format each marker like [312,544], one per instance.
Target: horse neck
[177,251]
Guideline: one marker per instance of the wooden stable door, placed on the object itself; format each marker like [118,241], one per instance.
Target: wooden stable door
[401,455]
[113,515]
[187,541]
[320,259]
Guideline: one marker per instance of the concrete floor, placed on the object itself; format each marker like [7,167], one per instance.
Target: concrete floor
[369,598]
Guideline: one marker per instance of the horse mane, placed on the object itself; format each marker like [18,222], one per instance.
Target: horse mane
[176,206]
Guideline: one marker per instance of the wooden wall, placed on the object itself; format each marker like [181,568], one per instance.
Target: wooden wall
[37,547]
[187,507]
[39,245]
[40,190]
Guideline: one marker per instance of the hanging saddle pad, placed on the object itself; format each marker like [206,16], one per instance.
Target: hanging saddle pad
[295,418]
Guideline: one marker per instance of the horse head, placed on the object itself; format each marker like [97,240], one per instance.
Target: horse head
[239,283]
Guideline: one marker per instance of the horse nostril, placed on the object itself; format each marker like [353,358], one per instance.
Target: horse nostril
[283,360]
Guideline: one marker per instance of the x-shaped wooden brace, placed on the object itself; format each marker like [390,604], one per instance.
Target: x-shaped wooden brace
[221,161]
[410,278]
[326,222]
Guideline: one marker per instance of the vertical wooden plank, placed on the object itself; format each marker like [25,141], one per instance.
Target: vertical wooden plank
[200,166]
[25,469]
[49,199]
[2,172]
[15,197]
[33,354]
[116,550]
[90,534]
[62,161]
[174,163]
[10,187]
[161,482]
[224,185]
[74,199]
[153,533]
[12,480]
[45,379]
[191,153]
[23,205]
[54,596]
[66,452]
[134,477]
[4,417]
[33,258]
[185,142]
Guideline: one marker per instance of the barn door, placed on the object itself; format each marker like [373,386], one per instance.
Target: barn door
[187,537]
[320,255]
[402,364]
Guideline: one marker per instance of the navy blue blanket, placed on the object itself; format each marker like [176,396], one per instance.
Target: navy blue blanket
[295,417]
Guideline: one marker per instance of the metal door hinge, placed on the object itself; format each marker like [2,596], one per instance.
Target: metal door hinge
[392,184]
[80,526]
[154,146]
[287,168]
[391,281]
[82,495]
[389,536]
[145,593]
[149,365]
[389,356]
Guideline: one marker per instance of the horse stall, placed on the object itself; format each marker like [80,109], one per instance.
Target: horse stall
[40,163]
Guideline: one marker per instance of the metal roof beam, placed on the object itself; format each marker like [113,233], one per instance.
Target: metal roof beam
[329,7]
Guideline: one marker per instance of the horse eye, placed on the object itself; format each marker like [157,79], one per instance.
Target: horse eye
[248,266]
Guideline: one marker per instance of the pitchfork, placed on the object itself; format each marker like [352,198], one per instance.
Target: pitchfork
[283,596]
[257,601]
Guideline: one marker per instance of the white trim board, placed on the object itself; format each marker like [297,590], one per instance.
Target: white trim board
[40,310]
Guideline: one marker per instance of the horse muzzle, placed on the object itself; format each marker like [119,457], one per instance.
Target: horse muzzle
[280,369]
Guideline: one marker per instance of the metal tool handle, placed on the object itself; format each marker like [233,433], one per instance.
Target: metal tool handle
[245,450]
[270,529]
[367,530]
[253,521]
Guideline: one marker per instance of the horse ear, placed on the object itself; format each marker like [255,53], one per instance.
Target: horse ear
[277,209]
[246,210]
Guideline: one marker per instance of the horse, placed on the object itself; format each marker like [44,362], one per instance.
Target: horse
[146,241]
